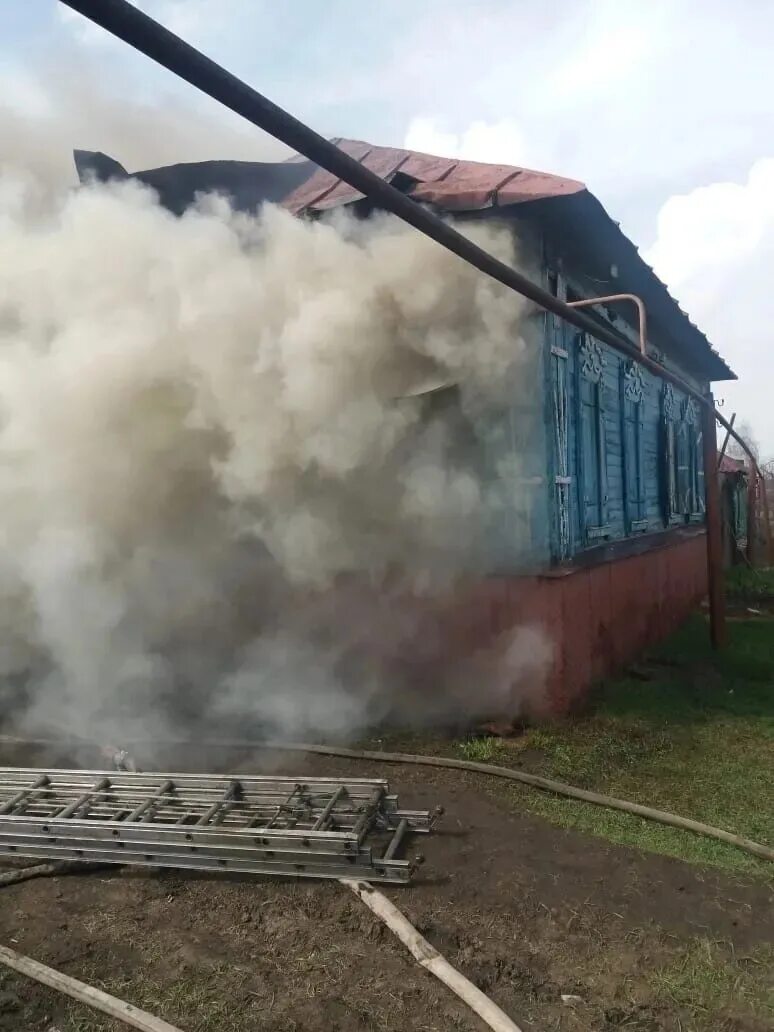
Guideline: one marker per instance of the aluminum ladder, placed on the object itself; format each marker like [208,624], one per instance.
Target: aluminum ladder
[305,827]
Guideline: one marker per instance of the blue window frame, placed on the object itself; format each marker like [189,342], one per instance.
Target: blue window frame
[695,494]
[682,459]
[591,439]
[632,407]
[561,450]
[669,455]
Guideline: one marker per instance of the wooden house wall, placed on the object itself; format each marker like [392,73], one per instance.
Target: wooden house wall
[598,397]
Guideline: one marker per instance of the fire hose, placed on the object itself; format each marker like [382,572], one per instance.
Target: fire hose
[536,781]
[417,759]
[423,952]
[428,957]
[84,993]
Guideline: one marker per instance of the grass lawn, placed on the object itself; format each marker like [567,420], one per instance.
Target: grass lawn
[688,731]
[744,583]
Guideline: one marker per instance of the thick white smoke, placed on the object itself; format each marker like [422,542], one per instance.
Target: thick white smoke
[209,432]
[69,101]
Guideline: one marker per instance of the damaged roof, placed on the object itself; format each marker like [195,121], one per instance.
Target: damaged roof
[446,183]
[449,185]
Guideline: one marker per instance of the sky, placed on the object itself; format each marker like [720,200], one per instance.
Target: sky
[663,109]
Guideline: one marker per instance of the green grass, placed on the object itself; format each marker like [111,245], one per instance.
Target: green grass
[745,583]
[688,731]
[482,750]
[708,978]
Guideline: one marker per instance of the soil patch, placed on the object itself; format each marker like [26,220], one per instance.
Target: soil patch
[527,910]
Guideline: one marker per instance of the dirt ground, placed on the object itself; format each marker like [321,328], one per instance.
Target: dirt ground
[527,911]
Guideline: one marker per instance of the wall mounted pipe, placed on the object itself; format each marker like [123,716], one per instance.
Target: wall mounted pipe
[638,302]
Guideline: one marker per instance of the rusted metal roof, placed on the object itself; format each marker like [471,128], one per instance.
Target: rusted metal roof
[449,185]
[467,186]
[444,182]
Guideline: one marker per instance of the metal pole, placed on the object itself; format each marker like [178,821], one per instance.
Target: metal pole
[767,520]
[715,571]
[752,522]
[725,440]
[123,20]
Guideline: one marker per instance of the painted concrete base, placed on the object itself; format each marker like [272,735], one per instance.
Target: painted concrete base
[598,619]
[499,648]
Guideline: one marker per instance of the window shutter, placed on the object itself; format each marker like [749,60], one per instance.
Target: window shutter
[602,453]
[562,478]
[669,461]
[633,442]
[592,438]
[700,489]
[668,485]
[683,470]
[642,497]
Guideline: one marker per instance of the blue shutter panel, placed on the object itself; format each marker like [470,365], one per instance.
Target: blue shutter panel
[632,386]
[699,507]
[669,454]
[590,486]
[629,464]
[602,454]
[642,487]
[561,450]
[592,439]
[683,470]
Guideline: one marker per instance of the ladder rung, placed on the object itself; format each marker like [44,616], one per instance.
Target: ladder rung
[315,827]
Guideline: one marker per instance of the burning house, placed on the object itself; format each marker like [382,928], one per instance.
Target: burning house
[596,542]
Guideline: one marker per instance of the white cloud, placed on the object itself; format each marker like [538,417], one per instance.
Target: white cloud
[498,142]
[702,232]
[715,250]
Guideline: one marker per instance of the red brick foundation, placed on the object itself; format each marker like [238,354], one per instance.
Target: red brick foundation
[467,650]
[599,618]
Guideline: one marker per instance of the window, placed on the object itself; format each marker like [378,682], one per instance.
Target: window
[560,419]
[682,459]
[561,451]
[669,454]
[591,439]
[633,441]
[694,501]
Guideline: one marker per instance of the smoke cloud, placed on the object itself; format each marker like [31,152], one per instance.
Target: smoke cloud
[227,497]
[71,101]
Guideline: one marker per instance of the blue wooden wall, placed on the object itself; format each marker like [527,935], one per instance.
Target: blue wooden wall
[514,469]
[624,449]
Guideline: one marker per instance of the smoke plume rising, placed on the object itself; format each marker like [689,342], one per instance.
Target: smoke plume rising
[71,100]
[225,495]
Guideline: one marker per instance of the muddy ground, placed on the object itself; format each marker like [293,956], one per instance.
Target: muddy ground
[527,911]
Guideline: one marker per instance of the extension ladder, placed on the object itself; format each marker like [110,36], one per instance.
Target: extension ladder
[307,827]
